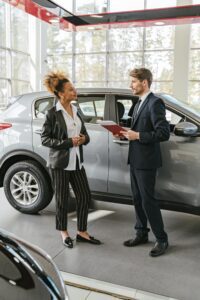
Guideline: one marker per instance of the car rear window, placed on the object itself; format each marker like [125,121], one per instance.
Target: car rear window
[42,105]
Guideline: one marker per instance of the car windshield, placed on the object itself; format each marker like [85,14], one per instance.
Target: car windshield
[191,107]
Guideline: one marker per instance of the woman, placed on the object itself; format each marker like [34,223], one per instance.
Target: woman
[65,134]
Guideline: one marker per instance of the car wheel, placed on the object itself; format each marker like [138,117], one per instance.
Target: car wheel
[27,188]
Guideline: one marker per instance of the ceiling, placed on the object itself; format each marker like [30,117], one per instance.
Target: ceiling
[52,12]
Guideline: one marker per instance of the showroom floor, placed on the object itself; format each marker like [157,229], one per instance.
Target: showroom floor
[175,274]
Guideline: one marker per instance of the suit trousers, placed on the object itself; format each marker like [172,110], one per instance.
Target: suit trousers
[78,180]
[146,206]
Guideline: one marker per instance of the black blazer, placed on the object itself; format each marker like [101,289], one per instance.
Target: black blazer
[54,135]
[153,127]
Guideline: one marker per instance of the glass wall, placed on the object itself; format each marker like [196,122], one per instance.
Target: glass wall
[59,49]
[14,53]
[105,57]
[93,58]
[2,24]
[194,67]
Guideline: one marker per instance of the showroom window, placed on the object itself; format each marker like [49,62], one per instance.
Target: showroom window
[2,24]
[90,6]
[194,68]
[89,69]
[90,58]
[159,56]
[59,49]
[96,53]
[104,58]
[160,4]
[14,53]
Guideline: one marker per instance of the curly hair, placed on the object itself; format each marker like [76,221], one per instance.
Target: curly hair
[54,81]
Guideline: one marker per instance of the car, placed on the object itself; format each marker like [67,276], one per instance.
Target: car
[27,272]
[26,179]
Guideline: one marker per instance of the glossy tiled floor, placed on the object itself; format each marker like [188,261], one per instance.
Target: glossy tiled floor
[176,274]
[99,290]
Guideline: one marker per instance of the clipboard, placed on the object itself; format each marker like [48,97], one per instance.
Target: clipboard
[112,127]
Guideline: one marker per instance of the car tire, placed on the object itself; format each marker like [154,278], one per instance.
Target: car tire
[27,187]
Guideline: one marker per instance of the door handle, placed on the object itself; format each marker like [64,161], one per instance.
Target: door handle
[121,142]
[38,131]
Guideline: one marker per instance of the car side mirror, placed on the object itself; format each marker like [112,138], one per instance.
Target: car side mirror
[185,129]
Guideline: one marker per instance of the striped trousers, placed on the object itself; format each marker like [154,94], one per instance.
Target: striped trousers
[78,180]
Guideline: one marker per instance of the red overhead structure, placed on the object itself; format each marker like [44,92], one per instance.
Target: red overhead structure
[50,12]
[40,12]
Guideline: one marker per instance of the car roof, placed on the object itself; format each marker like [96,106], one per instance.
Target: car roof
[169,99]
[85,91]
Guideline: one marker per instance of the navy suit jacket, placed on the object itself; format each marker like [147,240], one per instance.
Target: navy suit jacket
[153,127]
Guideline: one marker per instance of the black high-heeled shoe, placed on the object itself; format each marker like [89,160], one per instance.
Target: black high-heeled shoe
[68,242]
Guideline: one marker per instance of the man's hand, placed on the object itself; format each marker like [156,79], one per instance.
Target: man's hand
[116,135]
[131,135]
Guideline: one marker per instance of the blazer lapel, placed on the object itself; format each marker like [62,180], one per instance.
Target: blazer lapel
[141,108]
[61,121]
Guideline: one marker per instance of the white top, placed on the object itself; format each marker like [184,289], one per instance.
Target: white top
[143,98]
[73,129]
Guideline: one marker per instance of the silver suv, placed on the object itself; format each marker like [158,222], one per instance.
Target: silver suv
[26,179]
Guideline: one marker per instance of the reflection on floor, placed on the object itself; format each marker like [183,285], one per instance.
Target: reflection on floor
[81,288]
[175,274]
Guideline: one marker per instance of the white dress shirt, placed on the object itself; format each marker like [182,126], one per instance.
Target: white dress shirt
[143,98]
[73,129]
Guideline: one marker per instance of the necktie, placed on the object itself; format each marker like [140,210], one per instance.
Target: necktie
[135,111]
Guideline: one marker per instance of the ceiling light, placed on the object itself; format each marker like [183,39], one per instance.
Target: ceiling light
[90,27]
[54,20]
[159,23]
[96,16]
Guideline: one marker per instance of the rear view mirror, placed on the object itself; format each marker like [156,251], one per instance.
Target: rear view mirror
[185,129]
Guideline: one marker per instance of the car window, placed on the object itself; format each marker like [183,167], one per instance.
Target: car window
[87,108]
[91,108]
[173,118]
[123,107]
[41,107]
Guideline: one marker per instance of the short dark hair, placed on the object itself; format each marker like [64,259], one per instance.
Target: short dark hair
[142,74]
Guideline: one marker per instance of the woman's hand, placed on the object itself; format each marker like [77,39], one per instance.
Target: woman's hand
[81,139]
[75,141]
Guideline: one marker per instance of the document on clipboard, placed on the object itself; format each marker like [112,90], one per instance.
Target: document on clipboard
[112,127]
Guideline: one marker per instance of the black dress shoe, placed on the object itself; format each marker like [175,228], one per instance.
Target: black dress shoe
[68,242]
[158,249]
[139,239]
[92,240]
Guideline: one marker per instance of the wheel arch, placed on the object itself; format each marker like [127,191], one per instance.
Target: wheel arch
[20,155]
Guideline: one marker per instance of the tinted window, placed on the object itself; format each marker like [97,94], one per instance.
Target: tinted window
[92,108]
[41,107]
[123,107]
[172,118]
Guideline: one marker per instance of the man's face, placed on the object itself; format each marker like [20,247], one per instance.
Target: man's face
[138,87]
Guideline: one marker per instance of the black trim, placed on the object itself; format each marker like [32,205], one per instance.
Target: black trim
[166,205]
[19,153]
[135,16]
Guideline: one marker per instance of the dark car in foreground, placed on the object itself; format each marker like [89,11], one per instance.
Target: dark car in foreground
[27,272]
[26,179]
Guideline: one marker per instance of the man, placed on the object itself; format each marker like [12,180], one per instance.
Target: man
[149,127]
